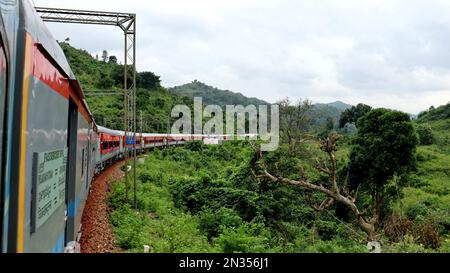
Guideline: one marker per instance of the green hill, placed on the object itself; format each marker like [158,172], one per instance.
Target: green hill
[155,101]
[440,113]
[427,195]
[213,95]
[337,104]
[320,112]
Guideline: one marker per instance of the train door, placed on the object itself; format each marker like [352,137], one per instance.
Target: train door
[71,170]
[88,158]
[3,89]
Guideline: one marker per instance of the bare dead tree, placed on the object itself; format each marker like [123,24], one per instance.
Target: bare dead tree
[334,193]
[294,120]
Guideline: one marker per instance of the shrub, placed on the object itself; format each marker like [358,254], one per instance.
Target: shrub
[176,233]
[407,245]
[212,222]
[337,245]
[396,227]
[194,146]
[425,233]
[425,134]
[129,228]
[247,238]
[326,229]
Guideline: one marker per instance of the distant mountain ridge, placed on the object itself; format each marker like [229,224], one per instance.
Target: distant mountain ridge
[213,95]
[322,111]
[337,104]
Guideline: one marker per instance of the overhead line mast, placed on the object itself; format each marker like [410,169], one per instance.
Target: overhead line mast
[127,22]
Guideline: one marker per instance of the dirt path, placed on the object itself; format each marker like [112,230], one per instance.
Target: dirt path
[96,232]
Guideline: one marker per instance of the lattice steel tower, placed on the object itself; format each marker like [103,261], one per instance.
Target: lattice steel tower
[127,22]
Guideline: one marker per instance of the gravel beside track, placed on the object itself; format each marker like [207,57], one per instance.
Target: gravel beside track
[96,231]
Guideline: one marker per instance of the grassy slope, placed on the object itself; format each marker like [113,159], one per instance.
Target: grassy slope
[428,192]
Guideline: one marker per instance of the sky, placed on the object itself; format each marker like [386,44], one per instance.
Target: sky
[385,53]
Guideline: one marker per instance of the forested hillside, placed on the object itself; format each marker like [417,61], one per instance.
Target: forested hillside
[216,199]
[440,113]
[213,95]
[320,113]
[323,190]
[207,199]
[155,101]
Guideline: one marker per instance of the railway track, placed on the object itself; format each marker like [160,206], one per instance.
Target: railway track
[96,231]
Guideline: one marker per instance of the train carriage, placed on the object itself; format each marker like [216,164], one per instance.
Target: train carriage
[50,145]
[48,123]
[110,146]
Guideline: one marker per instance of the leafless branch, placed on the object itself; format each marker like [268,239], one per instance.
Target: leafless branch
[333,195]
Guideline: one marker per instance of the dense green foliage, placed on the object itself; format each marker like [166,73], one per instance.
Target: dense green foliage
[382,154]
[351,115]
[426,197]
[321,114]
[302,117]
[440,113]
[154,101]
[205,199]
[425,134]
[384,147]
[322,111]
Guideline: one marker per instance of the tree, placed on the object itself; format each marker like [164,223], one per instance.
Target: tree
[293,119]
[117,75]
[112,60]
[352,114]
[104,56]
[383,148]
[425,134]
[334,192]
[350,129]
[148,80]
[329,126]
[105,81]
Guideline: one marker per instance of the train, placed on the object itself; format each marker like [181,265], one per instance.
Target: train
[51,148]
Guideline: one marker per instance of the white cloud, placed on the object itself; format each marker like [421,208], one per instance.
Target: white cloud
[387,53]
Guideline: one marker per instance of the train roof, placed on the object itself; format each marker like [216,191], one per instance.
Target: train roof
[32,23]
[108,131]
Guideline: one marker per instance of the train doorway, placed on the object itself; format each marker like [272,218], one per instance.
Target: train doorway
[71,170]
